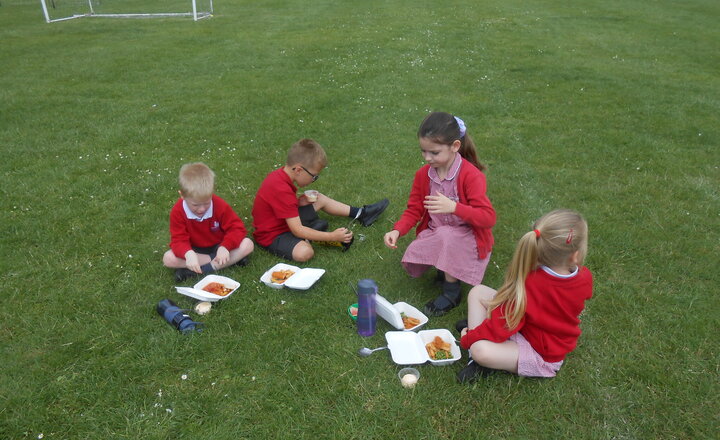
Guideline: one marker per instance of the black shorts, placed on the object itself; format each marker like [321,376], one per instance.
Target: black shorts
[211,250]
[284,243]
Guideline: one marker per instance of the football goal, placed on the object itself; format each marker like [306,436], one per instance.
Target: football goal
[60,10]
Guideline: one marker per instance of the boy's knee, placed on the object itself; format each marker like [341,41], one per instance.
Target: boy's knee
[168,259]
[247,245]
[303,252]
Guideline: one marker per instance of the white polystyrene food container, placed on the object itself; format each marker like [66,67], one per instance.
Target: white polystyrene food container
[408,348]
[203,295]
[392,313]
[302,279]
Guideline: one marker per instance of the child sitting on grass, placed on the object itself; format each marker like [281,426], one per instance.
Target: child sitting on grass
[449,205]
[530,324]
[205,233]
[285,223]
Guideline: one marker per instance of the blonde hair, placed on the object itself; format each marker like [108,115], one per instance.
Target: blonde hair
[556,236]
[197,181]
[307,152]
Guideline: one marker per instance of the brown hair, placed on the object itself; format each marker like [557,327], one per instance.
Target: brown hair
[196,180]
[307,152]
[556,236]
[443,128]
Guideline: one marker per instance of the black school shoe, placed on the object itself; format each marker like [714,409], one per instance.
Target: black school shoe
[370,213]
[446,301]
[473,371]
[183,274]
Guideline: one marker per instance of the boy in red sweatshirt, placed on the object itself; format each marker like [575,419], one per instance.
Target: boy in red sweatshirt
[205,233]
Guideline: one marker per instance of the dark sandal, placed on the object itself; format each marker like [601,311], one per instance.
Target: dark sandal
[448,300]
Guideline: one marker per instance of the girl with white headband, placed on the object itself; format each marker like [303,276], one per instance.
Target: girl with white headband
[449,205]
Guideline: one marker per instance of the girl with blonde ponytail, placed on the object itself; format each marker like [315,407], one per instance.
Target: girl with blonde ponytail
[531,323]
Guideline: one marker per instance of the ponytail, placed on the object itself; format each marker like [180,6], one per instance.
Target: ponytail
[512,293]
[469,153]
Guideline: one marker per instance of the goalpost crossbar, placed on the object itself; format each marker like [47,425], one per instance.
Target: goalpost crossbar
[195,14]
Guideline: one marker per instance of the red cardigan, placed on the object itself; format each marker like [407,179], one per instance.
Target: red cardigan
[224,228]
[474,207]
[551,323]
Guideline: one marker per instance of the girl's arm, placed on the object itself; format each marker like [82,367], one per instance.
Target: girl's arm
[415,210]
[477,211]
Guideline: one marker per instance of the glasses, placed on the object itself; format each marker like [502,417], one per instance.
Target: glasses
[314,176]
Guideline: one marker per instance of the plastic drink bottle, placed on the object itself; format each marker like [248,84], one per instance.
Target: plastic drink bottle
[177,317]
[366,318]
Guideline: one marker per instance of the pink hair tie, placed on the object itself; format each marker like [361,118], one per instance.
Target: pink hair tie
[570,236]
[537,233]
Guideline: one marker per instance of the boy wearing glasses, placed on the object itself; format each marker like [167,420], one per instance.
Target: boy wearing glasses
[285,223]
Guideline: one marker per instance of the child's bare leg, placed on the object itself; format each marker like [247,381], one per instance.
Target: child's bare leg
[237,254]
[303,251]
[173,262]
[331,206]
[478,299]
[502,356]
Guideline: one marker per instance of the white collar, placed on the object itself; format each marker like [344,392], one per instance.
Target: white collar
[452,171]
[555,274]
[191,215]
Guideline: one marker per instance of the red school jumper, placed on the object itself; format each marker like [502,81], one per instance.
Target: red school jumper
[224,228]
[474,207]
[551,323]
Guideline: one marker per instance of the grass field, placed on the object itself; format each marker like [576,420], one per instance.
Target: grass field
[610,108]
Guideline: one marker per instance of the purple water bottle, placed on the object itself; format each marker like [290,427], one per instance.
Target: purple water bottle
[366,317]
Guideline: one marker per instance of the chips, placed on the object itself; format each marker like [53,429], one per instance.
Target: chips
[281,276]
[438,349]
[409,322]
[217,289]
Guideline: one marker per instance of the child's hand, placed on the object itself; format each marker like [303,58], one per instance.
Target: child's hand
[191,261]
[221,257]
[463,332]
[439,204]
[342,234]
[391,239]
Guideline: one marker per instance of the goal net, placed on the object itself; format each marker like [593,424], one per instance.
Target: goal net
[59,10]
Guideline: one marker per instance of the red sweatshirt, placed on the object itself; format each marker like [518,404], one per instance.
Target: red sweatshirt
[224,228]
[474,207]
[551,323]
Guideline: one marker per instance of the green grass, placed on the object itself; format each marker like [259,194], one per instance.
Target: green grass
[608,107]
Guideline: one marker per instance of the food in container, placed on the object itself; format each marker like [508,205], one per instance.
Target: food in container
[198,290]
[299,279]
[394,313]
[409,348]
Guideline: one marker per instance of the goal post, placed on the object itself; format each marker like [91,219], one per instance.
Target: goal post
[61,10]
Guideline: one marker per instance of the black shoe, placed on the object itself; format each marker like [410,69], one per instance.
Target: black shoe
[446,301]
[473,371]
[460,325]
[183,274]
[243,262]
[370,213]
